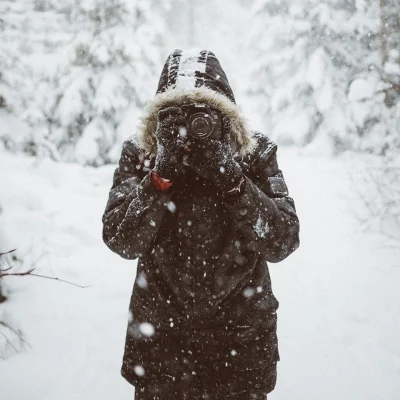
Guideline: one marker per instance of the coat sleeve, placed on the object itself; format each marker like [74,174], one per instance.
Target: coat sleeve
[134,210]
[264,213]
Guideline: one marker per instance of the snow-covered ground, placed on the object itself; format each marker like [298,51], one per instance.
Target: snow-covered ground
[339,316]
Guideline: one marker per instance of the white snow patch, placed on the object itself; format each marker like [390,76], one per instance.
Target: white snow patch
[392,68]
[76,340]
[189,64]
[261,228]
[316,69]
[360,89]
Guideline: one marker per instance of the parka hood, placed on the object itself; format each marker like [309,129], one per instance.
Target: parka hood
[194,76]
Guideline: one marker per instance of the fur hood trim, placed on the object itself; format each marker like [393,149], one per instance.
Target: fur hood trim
[176,97]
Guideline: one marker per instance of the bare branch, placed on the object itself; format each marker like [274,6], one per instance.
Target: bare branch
[16,273]
[61,280]
[29,272]
[8,252]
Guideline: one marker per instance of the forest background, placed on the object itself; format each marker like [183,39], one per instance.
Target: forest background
[321,78]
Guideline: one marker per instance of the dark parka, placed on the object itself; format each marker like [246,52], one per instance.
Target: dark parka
[202,294]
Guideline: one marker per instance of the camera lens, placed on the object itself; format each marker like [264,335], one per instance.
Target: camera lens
[200,126]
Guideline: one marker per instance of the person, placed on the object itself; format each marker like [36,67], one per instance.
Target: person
[199,198]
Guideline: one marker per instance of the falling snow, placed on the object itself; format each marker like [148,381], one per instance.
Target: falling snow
[147,329]
[139,370]
[73,88]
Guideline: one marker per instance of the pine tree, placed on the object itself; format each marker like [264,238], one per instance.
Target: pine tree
[32,32]
[3,83]
[111,64]
[307,57]
[381,109]
[79,72]
[390,49]
[8,54]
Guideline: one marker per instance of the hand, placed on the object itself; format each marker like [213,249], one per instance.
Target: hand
[213,160]
[170,143]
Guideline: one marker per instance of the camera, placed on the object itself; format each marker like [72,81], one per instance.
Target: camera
[202,121]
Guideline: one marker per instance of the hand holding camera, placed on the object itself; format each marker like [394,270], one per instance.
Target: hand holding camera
[170,143]
[213,160]
[208,149]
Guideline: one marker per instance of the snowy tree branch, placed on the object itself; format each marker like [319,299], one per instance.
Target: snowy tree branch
[378,191]
[10,336]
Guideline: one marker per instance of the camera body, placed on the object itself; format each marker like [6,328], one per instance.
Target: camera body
[203,121]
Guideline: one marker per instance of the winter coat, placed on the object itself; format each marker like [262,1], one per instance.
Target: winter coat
[202,293]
